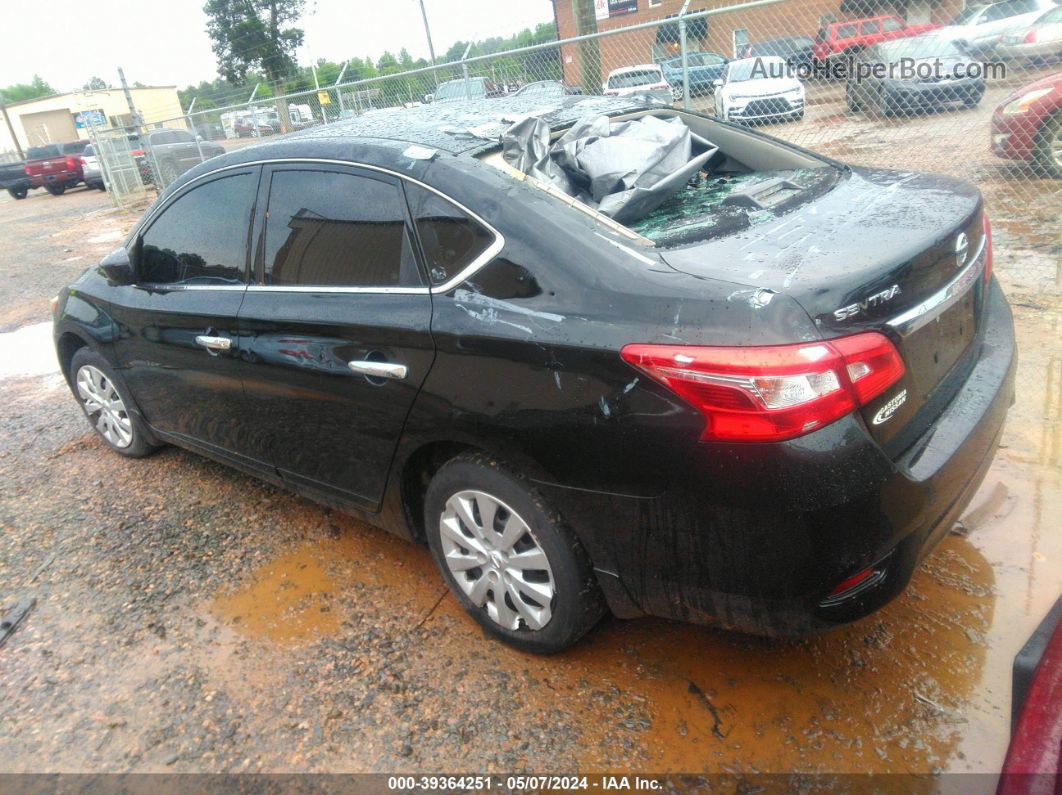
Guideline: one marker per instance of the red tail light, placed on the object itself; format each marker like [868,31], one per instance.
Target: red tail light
[1030,37]
[27,170]
[988,247]
[71,163]
[852,582]
[772,393]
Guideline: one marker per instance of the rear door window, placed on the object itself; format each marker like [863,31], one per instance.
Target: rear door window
[75,148]
[871,26]
[450,238]
[337,229]
[201,237]
[891,24]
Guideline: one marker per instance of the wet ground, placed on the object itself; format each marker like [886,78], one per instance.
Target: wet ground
[189,618]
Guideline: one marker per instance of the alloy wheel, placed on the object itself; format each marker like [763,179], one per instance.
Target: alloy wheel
[496,560]
[99,397]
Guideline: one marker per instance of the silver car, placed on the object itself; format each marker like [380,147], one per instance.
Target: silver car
[1042,39]
[90,167]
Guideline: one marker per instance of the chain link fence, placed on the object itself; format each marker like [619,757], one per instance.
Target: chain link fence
[924,87]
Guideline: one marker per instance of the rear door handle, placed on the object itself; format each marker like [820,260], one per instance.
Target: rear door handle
[214,343]
[379,369]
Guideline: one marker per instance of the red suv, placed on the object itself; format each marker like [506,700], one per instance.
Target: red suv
[853,35]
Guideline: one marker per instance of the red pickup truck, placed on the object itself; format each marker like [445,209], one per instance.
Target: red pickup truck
[853,35]
[55,167]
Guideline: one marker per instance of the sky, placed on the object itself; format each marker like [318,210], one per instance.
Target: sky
[165,43]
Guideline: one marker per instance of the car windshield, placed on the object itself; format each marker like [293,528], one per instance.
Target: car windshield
[39,152]
[1054,15]
[919,47]
[642,77]
[755,69]
[456,89]
[965,16]
[547,88]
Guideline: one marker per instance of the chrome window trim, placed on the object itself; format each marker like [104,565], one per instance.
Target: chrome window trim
[303,288]
[170,286]
[935,305]
[469,270]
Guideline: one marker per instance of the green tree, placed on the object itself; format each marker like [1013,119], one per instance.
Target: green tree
[37,87]
[95,84]
[254,34]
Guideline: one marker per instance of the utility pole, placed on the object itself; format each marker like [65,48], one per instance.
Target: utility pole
[431,47]
[10,129]
[137,121]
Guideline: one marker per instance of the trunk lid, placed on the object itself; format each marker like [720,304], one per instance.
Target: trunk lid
[894,252]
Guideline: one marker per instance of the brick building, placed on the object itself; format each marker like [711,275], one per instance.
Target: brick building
[724,34]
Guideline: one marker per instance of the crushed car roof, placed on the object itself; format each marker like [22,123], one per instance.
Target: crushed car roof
[469,127]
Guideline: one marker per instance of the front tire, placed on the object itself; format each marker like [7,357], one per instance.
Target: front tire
[56,190]
[854,105]
[18,193]
[508,557]
[107,405]
[1047,154]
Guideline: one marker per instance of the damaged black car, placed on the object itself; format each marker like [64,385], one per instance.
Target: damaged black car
[600,355]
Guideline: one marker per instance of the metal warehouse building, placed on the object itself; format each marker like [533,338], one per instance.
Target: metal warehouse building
[66,117]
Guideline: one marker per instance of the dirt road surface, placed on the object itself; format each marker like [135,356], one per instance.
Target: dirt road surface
[189,618]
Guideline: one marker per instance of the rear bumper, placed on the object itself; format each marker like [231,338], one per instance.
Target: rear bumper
[64,178]
[759,537]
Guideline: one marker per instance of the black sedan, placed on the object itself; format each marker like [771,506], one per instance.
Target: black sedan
[925,73]
[757,404]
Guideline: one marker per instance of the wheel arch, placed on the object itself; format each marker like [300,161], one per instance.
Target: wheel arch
[419,465]
[66,345]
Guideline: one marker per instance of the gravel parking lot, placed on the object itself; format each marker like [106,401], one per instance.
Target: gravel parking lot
[189,618]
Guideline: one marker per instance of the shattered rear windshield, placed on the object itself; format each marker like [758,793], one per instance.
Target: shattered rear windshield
[713,205]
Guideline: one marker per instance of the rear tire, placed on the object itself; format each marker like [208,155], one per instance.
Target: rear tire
[56,190]
[18,193]
[508,557]
[107,405]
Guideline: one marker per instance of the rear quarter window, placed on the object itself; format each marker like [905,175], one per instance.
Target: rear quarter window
[450,238]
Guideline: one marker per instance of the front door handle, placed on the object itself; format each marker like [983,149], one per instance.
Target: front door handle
[379,369]
[214,343]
